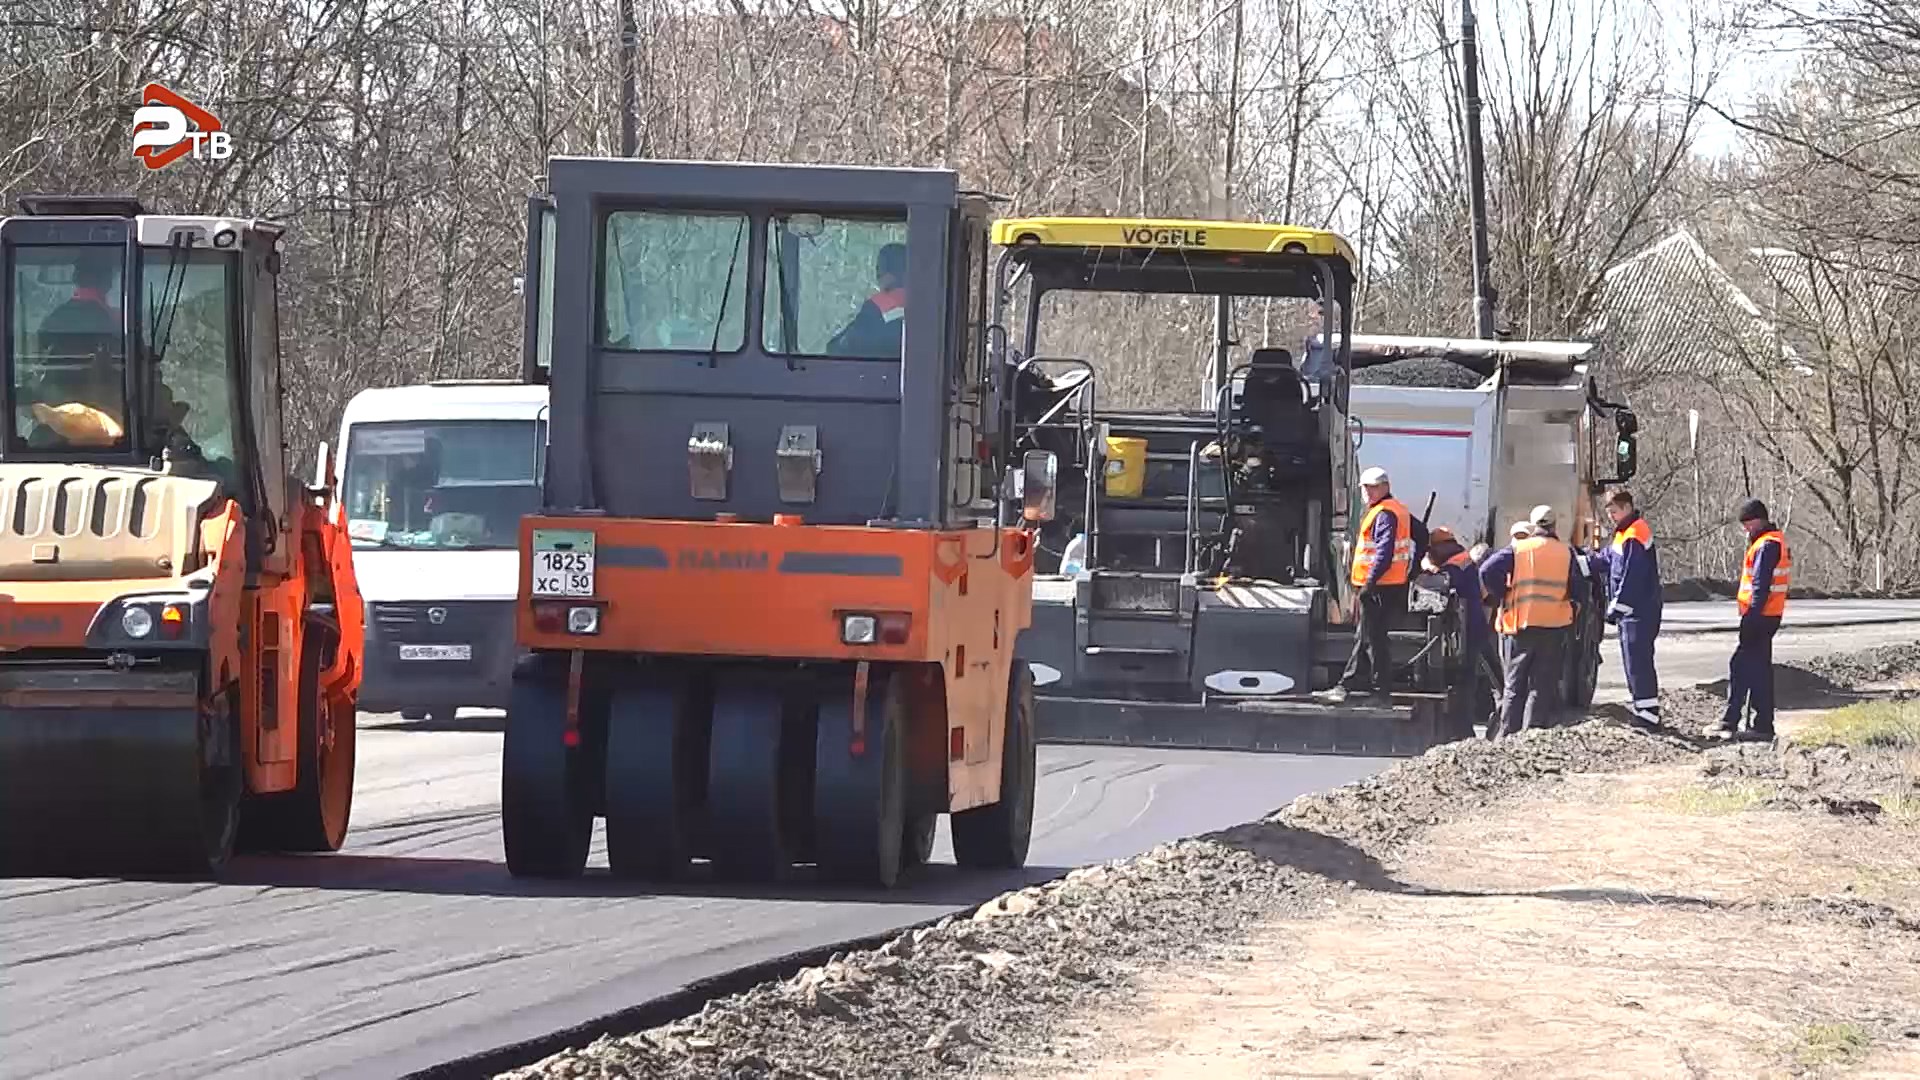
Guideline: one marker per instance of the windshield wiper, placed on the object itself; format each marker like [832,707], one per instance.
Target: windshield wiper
[169,305]
[726,290]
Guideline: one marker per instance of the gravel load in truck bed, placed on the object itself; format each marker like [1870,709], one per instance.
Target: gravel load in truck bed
[1418,371]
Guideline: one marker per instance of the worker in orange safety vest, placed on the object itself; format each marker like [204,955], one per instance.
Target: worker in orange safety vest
[1534,583]
[1765,576]
[874,332]
[1388,544]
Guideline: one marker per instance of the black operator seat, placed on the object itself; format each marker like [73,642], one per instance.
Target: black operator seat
[1274,398]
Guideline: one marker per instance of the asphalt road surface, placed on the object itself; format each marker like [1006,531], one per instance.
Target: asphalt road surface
[1698,615]
[414,947]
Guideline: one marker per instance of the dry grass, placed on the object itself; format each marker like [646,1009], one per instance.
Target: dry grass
[1904,809]
[1869,725]
[1714,799]
[1830,1044]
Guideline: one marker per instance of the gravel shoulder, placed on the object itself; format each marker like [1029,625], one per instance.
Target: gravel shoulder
[1590,900]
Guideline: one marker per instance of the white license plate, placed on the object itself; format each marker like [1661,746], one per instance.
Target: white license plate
[562,562]
[436,652]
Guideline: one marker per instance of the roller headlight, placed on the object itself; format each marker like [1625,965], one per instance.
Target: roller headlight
[137,622]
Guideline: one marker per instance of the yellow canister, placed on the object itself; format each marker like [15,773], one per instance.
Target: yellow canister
[1126,466]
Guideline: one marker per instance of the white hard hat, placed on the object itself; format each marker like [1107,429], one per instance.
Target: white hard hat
[1542,515]
[1375,475]
[1521,528]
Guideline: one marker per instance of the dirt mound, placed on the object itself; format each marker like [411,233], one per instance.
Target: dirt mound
[1880,664]
[1833,778]
[1387,810]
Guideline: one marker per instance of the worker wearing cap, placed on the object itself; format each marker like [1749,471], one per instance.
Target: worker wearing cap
[1445,555]
[1633,602]
[1765,576]
[1534,582]
[1389,542]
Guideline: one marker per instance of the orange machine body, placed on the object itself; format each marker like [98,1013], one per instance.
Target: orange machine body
[253,634]
[783,591]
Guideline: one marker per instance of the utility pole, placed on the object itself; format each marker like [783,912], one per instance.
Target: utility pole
[1223,305]
[1483,294]
[629,49]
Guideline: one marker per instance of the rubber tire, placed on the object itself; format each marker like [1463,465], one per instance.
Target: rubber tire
[1582,674]
[747,830]
[315,814]
[997,836]
[546,809]
[653,767]
[916,847]
[859,802]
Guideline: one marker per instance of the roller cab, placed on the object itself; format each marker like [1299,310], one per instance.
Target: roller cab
[179,622]
[772,603]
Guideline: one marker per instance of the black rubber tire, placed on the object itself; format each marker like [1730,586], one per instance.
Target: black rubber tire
[997,836]
[916,847]
[748,834]
[315,814]
[655,762]
[546,807]
[859,800]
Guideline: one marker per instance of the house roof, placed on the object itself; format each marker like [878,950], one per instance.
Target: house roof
[1672,308]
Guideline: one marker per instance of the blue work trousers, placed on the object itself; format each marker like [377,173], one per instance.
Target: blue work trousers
[1636,657]
[1750,675]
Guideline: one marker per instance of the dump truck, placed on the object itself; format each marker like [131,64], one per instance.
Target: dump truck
[1531,429]
[180,626]
[1205,595]
[772,599]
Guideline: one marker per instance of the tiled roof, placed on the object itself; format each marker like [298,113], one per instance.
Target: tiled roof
[1673,309]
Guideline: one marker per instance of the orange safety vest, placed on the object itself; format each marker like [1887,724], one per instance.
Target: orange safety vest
[1537,595]
[1363,553]
[1635,530]
[892,304]
[1460,558]
[1782,575]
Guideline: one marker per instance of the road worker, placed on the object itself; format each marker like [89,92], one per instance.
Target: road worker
[1383,560]
[1534,582]
[1765,576]
[1445,555]
[1633,602]
[875,330]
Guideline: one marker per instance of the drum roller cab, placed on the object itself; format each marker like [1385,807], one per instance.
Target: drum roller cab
[179,620]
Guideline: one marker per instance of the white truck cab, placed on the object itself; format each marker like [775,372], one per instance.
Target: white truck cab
[434,479]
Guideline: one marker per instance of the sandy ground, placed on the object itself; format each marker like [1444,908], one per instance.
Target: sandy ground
[1656,923]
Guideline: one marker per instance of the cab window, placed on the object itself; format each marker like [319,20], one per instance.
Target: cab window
[187,322]
[674,282]
[68,351]
[835,286]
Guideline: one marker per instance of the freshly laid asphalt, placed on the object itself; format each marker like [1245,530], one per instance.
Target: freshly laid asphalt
[413,946]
